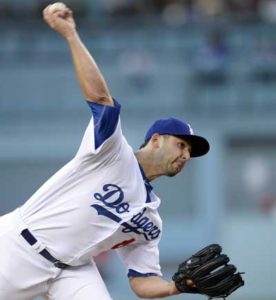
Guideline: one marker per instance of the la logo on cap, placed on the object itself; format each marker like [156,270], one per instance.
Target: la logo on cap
[190,129]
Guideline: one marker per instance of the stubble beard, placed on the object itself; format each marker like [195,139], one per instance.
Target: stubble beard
[171,172]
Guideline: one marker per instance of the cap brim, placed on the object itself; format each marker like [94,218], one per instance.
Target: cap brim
[200,146]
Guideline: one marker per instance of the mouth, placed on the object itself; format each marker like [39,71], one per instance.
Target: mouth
[179,165]
[175,168]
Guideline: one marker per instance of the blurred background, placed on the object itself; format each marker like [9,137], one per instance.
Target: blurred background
[210,62]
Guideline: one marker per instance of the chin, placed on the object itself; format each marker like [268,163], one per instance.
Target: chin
[172,173]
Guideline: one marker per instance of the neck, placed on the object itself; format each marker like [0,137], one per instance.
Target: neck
[149,165]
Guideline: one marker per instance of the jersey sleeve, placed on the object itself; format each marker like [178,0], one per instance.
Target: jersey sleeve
[103,133]
[141,259]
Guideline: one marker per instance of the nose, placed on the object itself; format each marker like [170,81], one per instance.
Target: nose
[186,155]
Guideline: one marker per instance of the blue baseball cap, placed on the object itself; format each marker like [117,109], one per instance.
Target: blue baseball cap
[172,126]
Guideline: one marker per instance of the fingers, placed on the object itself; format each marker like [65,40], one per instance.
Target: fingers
[54,11]
[52,8]
[211,265]
[190,283]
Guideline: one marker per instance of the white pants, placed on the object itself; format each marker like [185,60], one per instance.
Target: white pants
[25,274]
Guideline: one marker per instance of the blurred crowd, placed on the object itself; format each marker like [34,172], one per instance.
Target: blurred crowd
[190,9]
[172,10]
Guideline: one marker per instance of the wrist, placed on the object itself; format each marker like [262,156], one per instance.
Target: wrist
[172,289]
[71,36]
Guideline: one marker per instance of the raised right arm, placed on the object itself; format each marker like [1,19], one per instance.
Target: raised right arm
[92,83]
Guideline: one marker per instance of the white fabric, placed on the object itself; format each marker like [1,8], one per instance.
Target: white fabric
[98,201]
[60,214]
[24,274]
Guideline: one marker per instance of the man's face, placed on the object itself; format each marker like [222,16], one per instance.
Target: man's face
[174,152]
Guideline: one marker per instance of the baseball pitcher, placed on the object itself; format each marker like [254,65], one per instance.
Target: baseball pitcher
[101,200]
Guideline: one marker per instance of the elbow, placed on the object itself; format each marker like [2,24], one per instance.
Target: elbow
[94,97]
[138,292]
[140,289]
[100,98]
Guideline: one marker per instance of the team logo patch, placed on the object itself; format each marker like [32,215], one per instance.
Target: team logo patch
[191,129]
[140,224]
[113,205]
[113,197]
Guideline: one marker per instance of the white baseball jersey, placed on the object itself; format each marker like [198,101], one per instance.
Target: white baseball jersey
[100,200]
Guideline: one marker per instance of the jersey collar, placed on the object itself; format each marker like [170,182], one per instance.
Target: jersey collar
[146,181]
[148,186]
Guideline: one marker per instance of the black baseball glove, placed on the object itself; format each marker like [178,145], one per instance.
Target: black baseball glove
[210,273]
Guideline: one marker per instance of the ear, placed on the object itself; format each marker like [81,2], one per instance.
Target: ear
[156,140]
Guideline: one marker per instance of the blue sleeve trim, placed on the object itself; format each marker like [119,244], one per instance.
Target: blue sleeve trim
[105,120]
[133,273]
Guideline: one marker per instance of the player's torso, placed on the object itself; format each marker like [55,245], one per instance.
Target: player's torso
[87,208]
[144,226]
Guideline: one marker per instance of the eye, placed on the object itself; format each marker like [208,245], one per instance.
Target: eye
[181,145]
[184,145]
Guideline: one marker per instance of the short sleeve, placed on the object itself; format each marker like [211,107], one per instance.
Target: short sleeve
[105,120]
[103,134]
[141,259]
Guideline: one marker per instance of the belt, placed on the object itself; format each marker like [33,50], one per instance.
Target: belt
[45,253]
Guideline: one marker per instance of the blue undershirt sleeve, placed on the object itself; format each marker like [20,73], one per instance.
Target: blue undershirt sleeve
[133,273]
